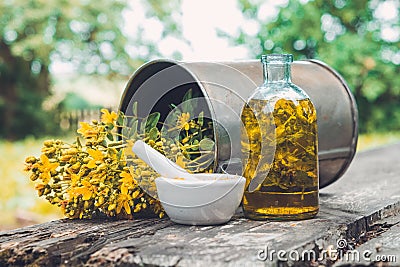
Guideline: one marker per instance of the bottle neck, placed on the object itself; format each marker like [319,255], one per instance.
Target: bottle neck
[276,72]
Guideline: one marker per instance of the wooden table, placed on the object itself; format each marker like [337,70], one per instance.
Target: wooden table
[360,214]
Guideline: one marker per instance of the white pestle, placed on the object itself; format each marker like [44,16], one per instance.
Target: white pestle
[165,167]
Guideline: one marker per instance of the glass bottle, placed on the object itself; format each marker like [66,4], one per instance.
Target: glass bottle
[279,145]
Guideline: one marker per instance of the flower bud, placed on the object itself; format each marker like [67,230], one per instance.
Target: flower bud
[86,205]
[76,166]
[48,143]
[30,159]
[159,143]
[34,177]
[48,150]
[65,158]
[71,151]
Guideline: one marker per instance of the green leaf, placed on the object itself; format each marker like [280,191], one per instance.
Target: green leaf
[200,119]
[206,144]
[133,129]
[195,145]
[142,126]
[104,143]
[120,119]
[110,126]
[187,96]
[125,129]
[153,133]
[149,122]
[119,155]
[130,128]
[187,103]
[152,121]
[134,109]
[173,117]
[173,106]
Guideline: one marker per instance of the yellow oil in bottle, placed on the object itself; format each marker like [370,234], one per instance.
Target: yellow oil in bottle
[279,140]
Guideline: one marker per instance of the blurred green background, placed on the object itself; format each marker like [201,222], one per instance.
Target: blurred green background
[61,61]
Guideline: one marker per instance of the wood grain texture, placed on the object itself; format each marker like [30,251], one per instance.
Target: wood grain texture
[362,208]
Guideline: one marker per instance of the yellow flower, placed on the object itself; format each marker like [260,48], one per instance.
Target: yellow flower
[75,179]
[128,149]
[138,207]
[87,130]
[96,156]
[136,194]
[108,117]
[86,190]
[127,180]
[123,200]
[46,167]
[179,160]
[183,121]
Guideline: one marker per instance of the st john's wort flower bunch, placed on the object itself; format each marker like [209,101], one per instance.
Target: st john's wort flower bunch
[99,173]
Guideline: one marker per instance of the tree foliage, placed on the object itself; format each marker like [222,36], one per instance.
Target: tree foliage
[36,35]
[347,35]
[33,34]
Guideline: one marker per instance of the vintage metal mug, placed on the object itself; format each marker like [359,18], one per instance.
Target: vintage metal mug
[225,86]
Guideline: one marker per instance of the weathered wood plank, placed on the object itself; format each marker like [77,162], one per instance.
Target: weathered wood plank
[381,243]
[368,194]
